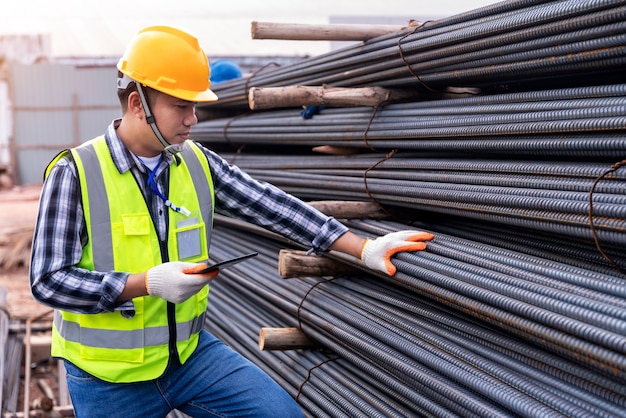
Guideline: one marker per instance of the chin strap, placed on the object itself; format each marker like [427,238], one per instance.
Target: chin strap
[172,149]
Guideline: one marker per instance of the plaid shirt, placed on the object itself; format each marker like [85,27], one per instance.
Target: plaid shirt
[61,233]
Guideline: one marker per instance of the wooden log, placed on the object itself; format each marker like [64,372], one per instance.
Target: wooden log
[329,32]
[57,411]
[335,150]
[283,339]
[295,263]
[296,96]
[15,247]
[349,210]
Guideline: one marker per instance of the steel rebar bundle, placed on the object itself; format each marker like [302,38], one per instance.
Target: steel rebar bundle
[505,42]
[527,341]
[551,197]
[571,122]
[518,306]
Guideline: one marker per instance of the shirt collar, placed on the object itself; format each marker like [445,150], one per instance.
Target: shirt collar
[123,159]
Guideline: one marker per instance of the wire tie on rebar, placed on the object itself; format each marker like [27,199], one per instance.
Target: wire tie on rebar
[369,125]
[308,376]
[389,155]
[258,70]
[305,296]
[245,89]
[225,133]
[596,240]
[406,63]
[227,125]
[237,153]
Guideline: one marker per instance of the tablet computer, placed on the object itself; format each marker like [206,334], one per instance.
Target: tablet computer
[223,264]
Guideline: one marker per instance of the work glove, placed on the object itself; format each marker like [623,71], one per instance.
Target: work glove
[376,254]
[171,282]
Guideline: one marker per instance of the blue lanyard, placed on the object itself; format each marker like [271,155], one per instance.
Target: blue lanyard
[154,187]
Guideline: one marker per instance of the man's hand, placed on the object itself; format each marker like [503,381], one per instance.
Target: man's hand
[376,254]
[170,282]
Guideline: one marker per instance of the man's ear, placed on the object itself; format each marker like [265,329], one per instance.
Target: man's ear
[135,106]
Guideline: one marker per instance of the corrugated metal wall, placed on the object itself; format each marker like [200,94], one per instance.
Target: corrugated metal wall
[56,106]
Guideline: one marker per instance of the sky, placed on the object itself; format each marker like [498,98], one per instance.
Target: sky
[103,28]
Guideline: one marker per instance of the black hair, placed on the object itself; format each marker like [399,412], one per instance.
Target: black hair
[122,94]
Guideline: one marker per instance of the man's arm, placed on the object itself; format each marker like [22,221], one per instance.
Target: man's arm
[135,287]
[262,204]
[349,243]
[59,235]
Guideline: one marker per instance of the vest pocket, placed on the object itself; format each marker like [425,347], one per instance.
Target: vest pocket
[132,242]
[136,224]
[190,239]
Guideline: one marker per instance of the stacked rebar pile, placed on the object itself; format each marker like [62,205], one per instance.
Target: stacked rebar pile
[537,40]
[460,331]
[563,123]
[551,197]
[517,307]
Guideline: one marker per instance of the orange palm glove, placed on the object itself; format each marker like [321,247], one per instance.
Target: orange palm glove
[376,254]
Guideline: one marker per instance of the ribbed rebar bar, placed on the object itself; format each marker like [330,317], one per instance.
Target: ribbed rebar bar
[544,196]
[497,45]
[388,328]
[585,121]
[511,310]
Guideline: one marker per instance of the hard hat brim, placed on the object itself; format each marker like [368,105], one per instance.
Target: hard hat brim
[191,96]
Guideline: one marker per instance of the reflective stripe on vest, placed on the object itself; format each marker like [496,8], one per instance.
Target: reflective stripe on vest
[124,339]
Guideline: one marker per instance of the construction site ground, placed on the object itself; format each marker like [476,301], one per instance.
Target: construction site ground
[18,209]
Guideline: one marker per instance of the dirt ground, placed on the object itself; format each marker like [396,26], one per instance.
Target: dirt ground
[18,212]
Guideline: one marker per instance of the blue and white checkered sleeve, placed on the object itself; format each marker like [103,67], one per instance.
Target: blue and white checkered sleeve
[240,196]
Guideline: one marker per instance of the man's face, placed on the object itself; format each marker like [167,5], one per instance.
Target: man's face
[174,117]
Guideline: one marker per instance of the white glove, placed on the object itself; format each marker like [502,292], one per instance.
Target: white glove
[169,281]
[376,254]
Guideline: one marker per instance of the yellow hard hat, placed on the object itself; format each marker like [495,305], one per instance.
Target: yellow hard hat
[169,60]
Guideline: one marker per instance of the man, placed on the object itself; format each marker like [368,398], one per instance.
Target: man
[124,217]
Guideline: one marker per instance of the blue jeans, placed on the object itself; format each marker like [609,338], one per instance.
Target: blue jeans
[215,382]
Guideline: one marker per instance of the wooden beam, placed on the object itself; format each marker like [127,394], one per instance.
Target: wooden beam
[57,411]
[296,96]
[330,32]
[283,339]
[295,263]
[349,210]
[335,150]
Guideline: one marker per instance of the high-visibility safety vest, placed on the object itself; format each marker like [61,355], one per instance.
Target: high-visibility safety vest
[122,238]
